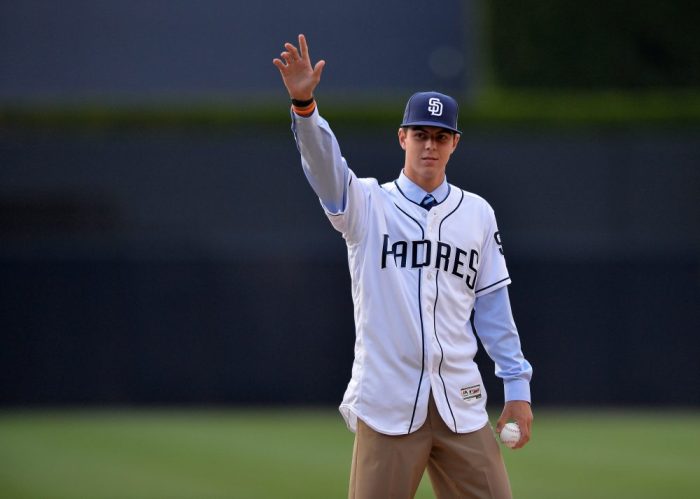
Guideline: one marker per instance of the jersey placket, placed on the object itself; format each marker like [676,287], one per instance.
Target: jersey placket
[429,298]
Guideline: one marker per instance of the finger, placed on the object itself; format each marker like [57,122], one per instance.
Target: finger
[525,433]
[279,64]
[286,56]
[292,51]
[304,47]
[524,439]
[526,422]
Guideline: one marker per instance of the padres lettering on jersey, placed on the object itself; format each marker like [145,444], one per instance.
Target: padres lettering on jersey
[418,253]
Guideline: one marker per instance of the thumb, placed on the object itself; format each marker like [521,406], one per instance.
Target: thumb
[501,422]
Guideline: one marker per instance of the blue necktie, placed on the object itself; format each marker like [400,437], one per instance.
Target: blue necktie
[428,202]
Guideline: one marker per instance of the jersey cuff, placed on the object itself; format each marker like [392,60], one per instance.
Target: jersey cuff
[516,389]
[492,287]
[330,212]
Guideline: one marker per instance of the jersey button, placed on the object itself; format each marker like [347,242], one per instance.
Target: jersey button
[429,275]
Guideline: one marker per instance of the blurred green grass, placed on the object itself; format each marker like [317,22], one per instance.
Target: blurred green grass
[303,453]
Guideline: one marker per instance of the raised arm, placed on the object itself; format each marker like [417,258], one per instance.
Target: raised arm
[323,164]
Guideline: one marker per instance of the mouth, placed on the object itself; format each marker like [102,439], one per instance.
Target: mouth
[429,158]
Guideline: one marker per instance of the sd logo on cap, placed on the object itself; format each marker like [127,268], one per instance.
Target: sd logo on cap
[431,109]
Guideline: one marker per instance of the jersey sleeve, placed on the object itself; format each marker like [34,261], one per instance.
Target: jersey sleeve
[493,273]
[352,220]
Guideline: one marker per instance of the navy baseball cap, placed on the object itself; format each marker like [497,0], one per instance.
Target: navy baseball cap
[431,109]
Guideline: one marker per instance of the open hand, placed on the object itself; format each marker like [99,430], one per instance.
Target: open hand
[298,75]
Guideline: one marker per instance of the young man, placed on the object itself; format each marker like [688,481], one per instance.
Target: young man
[423,254]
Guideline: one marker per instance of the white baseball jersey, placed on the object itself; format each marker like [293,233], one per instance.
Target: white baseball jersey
[415,277]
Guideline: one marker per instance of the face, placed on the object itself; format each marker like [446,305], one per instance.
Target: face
[428,148]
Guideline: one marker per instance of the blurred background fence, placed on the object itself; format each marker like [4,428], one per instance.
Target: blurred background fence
[160,245]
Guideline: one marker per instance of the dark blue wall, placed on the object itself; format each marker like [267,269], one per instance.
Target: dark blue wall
[172,267]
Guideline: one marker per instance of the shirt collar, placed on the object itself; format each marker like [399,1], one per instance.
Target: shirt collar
[416,194]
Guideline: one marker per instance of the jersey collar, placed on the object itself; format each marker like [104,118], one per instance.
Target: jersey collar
[416,194]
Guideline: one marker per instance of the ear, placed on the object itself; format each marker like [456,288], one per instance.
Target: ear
[402,138]
[455,141]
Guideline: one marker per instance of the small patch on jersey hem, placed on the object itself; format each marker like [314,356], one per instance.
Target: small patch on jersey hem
[471,392]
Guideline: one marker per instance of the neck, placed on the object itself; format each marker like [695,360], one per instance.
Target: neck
[427,184]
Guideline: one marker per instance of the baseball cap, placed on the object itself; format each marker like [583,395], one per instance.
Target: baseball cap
[431,109]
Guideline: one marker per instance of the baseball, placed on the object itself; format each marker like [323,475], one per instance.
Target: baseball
[510,434]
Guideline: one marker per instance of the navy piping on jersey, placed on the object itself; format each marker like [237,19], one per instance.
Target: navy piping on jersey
[418,204]
[422,332]
[491,285]
[437,293]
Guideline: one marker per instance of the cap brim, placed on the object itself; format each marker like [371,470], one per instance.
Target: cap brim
[431,123]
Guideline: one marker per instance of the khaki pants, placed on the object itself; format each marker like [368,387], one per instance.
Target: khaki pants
[466,465]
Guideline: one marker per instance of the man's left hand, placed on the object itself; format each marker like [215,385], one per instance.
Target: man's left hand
[520,412]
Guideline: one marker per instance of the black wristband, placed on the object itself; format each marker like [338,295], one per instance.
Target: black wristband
[302,103]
